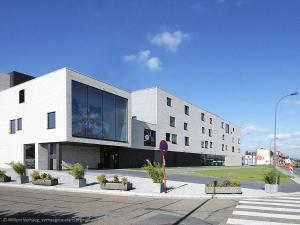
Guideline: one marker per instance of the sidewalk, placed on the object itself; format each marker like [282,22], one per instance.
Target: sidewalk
[142,187]
[295,178]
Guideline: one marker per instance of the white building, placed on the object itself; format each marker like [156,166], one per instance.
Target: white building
[65,116]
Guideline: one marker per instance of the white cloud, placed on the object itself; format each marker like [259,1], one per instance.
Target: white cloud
[145,59]
[171,41]
[250,129]
[297,102]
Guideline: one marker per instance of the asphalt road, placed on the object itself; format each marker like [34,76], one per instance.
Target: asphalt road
[24,206]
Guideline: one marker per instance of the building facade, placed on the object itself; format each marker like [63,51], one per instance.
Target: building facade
[66,117]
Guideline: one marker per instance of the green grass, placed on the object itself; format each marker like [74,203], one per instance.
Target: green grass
[246,173]
[179,167]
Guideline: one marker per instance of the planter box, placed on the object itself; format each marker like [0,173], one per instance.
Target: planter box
[271,188]
[116,186]
[223,190]
[5,179]
[22,179]
[45,182]
[157,187]
[78,183]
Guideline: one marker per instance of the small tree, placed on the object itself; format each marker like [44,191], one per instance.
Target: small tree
[77,170]
[272,177]
[154,171]
[19,168]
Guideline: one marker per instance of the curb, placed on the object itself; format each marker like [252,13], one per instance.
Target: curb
[134,194]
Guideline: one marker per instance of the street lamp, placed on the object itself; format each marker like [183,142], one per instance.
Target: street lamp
[275,127]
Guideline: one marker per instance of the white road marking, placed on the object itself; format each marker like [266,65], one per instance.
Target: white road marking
[272,200]
[267,215]
[255,222]
[270,203]
[290,197]
[267,208]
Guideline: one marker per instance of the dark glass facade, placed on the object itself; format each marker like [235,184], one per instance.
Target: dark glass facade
[98,114]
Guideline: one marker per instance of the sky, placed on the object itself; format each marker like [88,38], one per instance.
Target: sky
[235,58]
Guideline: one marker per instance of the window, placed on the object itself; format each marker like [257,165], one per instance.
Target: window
[19,124]
[186,110]
[21,96]
[210,132]
[186,141]
[222,125]
[222,147]
[210,120]
[210,144]
[98,114]
[206,144]
[174,138]
[232,148]
[172,121]
[233,140]
[227,128]
[149,137]
[203,130]
[202,144]
[202,116]
[223,137]
[226,147]
[239,150]
[51,120]
[233,129]
[239,141]
[168,136]
[185,126]
[169,101]
[13,126]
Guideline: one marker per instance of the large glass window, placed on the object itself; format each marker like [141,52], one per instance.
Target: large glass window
[149,137]
[98,114]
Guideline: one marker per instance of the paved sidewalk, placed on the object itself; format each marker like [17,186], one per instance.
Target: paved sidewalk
[142,187]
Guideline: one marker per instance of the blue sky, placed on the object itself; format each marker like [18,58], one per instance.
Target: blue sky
[232,57]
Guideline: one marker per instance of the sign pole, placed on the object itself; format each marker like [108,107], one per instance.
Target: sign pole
[164,170]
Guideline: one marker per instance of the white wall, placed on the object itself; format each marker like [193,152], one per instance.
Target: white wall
[42,95]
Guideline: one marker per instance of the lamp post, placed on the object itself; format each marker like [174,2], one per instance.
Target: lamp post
[275,126]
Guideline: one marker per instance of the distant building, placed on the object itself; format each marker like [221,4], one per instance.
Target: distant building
[263,156]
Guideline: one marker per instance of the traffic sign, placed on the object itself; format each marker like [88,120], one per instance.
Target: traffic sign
[163,147]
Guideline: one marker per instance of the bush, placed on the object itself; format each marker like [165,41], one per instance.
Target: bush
[46,176]
[272,177]
[124,181]
[225,183]
[77,170]
[19,168]
[116,179]
[35,175]
[154,171]
[2,173]
[102,179]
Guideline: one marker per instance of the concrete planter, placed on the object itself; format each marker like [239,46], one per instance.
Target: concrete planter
[45,182]
[116,186]
[157,187]
[223,190]
[78,183]
[271,188]
[23,179]
[5,179]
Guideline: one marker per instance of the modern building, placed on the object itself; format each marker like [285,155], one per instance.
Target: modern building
[66,117]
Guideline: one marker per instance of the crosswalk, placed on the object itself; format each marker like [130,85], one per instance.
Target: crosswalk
[281,210]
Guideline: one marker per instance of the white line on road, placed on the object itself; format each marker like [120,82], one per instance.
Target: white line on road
[271,203]
[254,222]
[272,200]
[267,215]
[267,208]
[290,197]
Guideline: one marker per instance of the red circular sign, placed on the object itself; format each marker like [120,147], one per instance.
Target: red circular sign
[163,147]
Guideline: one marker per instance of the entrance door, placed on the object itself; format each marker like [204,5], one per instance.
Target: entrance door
[29,156]
[109,159]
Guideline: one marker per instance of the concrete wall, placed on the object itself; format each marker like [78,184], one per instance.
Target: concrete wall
[86,155]
[4,81]
[138,128]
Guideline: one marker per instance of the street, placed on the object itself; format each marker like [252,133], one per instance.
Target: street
[53,207]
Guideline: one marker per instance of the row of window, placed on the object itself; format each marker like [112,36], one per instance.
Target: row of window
[17,124]
[186,108]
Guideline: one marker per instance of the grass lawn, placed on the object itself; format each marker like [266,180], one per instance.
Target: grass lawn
[246,173]
[180,167]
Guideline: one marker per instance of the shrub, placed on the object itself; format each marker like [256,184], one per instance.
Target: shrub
[35,175]
[2,173]
[19,168]
[77,170]
[225,183]
[116,179]
[46,176]
[124,181]
[272,177]
[154,171]
[102,179]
